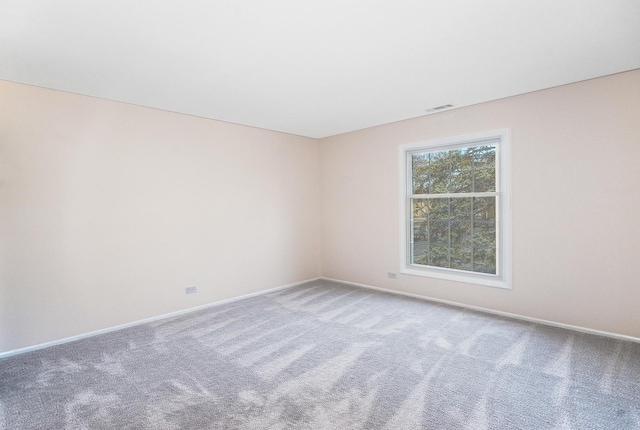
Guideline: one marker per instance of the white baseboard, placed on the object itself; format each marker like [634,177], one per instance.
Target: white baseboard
[146,320]
[494,312]
[282,287]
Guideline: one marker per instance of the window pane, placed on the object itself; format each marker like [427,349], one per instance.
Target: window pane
[484,157]
[461,208]
[462,182]
[484,168]
[457,233]
[461,233]
[420,173]
[440,169]
[420,208]
[419,252]
[440,183]
[439,162]
[438,209]
[484,260]
[420,231]
[466,160]
[439,232]
[484,208]
[439,256]
[484,180]
[460,160]
[484,234]
[461,258]
[454,171]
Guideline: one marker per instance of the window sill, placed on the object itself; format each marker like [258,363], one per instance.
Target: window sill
[458,276]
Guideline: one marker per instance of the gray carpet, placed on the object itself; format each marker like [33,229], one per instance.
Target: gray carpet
[327,356]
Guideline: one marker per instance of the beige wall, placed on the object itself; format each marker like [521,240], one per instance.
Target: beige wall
[108,211]
[575,204]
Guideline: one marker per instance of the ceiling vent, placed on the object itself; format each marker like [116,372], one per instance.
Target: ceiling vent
[437,108]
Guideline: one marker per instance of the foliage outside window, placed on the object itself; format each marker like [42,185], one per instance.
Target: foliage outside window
[455,213]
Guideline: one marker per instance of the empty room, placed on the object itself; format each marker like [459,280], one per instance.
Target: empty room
[320,215]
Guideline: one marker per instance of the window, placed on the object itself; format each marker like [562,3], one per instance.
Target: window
[455,209]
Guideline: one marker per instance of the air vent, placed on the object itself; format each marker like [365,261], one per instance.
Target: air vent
[437,108]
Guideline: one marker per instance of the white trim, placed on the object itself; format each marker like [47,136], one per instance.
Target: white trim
[147,320]
[502,138]
[495,312]
[457,275]
[447,195]
[283,287]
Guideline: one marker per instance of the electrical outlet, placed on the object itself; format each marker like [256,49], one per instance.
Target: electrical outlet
[392,275]
[191,290]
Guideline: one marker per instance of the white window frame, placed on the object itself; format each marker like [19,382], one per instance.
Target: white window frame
[502,279]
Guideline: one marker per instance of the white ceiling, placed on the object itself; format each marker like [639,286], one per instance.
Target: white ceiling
[313,68]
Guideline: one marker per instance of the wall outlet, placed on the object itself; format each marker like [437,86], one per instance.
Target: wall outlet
[191,290]
[392,275]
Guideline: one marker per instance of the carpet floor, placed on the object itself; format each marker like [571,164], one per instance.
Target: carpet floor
[325,355]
